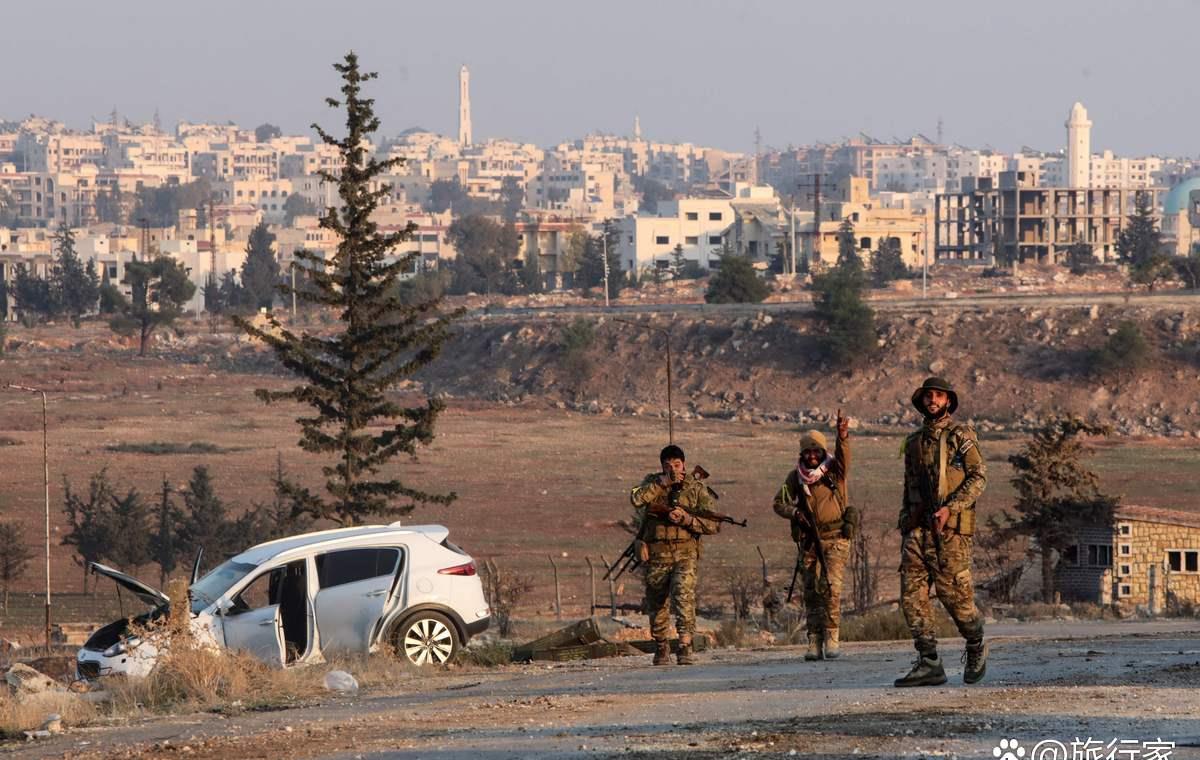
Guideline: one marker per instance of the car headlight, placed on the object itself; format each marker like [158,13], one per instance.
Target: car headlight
[123,646]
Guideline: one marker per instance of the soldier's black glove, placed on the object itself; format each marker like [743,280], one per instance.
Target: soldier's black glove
[850,519]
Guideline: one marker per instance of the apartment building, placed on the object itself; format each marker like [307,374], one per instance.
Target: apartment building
[698,225]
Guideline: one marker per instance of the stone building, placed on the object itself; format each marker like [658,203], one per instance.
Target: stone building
[1149,558]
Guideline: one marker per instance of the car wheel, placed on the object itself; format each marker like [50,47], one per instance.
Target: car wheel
[427,638]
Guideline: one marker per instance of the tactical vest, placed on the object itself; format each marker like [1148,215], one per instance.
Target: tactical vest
[949,471]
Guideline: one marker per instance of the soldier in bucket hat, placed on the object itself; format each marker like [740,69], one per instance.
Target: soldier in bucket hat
[944,475]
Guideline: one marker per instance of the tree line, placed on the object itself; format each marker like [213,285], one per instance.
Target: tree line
[124,527]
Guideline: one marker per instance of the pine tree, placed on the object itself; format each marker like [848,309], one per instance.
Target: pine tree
[591,266]
[112,300]
[678,261]
[346,375]
[74,288]
[888,263]
[205,524]
[849,323]
[128,541]
[164,541]
[90,531]
[260,272]
[736,282]
[160,289]
[1056,494]
[15,555]
[32,294]
[1140,246]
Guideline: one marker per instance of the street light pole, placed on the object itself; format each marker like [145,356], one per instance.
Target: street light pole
[46,484]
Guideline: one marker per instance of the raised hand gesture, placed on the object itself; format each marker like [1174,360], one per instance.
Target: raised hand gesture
[843,426]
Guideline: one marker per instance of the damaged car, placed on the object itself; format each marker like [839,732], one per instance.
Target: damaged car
[300,599]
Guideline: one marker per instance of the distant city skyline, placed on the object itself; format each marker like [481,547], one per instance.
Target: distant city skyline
[708,72]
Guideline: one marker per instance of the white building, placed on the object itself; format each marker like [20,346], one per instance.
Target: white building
[696,224]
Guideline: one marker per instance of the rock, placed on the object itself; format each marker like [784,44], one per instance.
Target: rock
[936,366]
[25,681]
[340,680]
[52,723]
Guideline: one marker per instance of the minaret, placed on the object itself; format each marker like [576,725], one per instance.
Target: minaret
[1079,147]
[637,128]
[464,107]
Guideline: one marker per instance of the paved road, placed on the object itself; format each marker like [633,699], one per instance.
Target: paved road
[1054,681]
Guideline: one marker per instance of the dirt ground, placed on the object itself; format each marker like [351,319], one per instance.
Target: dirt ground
[533,480]
[1109,682]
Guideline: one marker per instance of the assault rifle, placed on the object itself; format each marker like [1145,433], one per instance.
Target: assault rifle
[629,559]
[808,524]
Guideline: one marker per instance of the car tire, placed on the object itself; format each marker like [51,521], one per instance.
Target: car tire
[427,638]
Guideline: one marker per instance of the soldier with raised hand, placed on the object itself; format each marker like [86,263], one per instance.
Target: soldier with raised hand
[813,499]
[674,509]
[944,475]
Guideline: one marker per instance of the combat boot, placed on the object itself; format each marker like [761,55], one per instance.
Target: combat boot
[814,647]
[927,671]
[974,661]
[833,649]
[685,656]
[662,654]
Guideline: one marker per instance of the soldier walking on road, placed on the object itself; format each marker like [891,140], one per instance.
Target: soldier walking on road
[814,500]
[944,475]
[674,509]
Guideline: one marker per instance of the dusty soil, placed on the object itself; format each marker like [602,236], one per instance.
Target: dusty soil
[533,479]
[1133,682]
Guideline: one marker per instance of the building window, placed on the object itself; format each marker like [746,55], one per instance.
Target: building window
[1070,555]
[1125,570]
[1126,550]
[693,216]
[1126,529]
[1099,555]
[662,240]
[714,239]
[1124,590]
[1183,561]
[692,240]
[865,244]
[714,216]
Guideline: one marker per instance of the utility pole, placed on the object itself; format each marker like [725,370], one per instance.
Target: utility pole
[604,255]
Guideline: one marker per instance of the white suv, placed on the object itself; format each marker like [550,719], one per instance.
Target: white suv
[297,599]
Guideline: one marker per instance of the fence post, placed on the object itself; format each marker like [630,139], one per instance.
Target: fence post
[592,580]
[557,589]
[612,590]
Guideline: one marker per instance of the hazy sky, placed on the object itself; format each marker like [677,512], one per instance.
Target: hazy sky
[1001,74]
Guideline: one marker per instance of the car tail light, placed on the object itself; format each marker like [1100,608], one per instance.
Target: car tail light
[467,569]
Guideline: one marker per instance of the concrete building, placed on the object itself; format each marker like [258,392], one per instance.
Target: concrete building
[873,222]
[1017,220]
[696,224]
[1148,558]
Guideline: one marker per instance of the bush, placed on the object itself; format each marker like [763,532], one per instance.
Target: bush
[736,281]
[850,323]
[166,447]
[577,339]
[1125,351]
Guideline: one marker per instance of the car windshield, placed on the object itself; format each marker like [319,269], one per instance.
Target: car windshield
[209,588]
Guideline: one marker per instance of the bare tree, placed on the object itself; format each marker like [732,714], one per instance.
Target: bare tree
[15,555]
[503,591]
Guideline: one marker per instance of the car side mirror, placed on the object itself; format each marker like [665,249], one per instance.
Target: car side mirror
[224,606]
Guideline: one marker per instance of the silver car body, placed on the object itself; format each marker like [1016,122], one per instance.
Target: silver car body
[298,599]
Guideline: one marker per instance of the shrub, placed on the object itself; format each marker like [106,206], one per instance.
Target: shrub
[736,281]
[1125,351]
[166,447]
[577,338]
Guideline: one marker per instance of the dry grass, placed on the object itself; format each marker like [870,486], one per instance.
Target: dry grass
[889,625]
[16,717]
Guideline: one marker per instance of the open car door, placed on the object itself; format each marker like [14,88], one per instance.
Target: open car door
[251,622]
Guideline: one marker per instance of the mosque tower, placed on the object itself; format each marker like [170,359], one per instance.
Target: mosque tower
[1079,147]
[464,107]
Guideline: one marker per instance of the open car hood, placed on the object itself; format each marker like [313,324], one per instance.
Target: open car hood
[151,596]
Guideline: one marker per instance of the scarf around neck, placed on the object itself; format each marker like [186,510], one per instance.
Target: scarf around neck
[810,477]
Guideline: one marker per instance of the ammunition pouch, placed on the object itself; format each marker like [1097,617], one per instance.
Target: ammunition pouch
[964,522]
[667,532]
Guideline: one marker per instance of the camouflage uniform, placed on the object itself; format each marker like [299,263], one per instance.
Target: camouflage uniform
[940,446]
[826,499]
[671,572]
